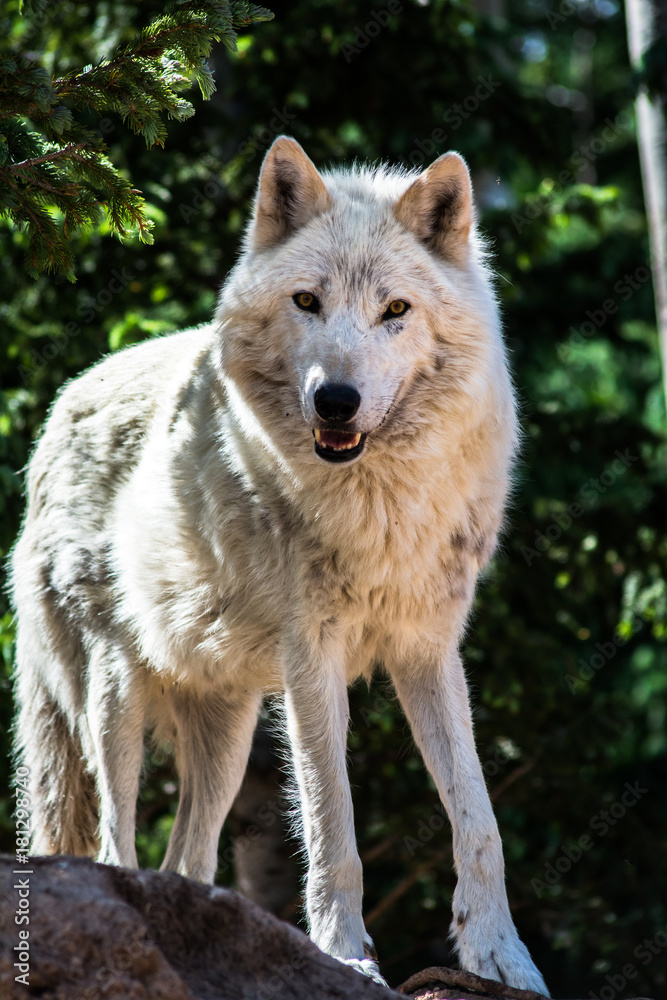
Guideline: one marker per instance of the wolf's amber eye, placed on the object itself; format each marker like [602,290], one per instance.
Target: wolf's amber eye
[307,301]
[396,308]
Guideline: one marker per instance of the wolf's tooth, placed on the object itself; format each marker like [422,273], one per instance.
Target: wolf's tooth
[342,446]
[345,446]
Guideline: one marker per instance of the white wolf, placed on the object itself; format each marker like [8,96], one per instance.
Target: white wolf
[276,502]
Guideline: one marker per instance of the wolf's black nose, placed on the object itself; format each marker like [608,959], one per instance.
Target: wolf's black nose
[336,402]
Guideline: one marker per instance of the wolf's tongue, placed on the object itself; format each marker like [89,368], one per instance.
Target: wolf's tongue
[337,439]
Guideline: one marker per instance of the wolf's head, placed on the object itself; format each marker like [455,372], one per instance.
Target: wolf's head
[360,314]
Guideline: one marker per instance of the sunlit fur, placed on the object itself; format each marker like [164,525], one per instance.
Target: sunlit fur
[185,550]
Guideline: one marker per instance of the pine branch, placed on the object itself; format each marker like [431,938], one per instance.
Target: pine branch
[55,166]
[24,165]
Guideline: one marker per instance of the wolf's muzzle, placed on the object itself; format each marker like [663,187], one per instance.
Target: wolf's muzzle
[336,404]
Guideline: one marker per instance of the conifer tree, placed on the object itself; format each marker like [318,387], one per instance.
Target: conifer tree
[55,174]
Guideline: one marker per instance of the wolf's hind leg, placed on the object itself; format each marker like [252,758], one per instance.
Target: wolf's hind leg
[113,737]
[61,791]
[214,736]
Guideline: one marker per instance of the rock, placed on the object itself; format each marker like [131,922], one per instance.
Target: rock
[95,932]
[439,983]
[98,932]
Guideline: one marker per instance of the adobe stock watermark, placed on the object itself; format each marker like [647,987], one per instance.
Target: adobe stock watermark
[39,13]
[258,142]
[125,957]
[426,830]
[283,975]
[579,159]
[600,824]
[372,715]
[266,815]
[624,288]
[644,953]
[263,138]
[454,116]
[590,493]
[567,8]
[605,651]
[363,36]
[21,950]
[505,753]
[88,310]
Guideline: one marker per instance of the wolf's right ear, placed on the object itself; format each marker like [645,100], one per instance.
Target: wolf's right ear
[290,193]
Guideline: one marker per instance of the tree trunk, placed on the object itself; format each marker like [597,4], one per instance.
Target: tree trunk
[647,23]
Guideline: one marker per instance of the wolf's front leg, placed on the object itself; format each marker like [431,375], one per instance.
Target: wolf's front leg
[317,713]
[435,700]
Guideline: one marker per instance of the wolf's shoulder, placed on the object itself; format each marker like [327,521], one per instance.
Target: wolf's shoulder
[100,420]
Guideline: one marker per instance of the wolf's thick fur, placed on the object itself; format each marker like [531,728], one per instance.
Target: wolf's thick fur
[189,547]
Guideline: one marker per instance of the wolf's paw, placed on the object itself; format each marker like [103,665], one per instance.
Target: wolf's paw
[495,951]
[366,966]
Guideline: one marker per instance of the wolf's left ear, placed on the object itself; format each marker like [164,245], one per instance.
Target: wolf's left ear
[438,208]
[290,193]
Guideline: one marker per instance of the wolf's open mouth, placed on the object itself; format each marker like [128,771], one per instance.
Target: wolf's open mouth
[338,446]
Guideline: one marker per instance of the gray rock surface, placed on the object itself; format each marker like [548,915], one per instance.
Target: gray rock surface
[100,932]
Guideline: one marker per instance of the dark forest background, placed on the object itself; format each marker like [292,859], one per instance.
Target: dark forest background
[566,654]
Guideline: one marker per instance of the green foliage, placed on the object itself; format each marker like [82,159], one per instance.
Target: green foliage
[567,651]
[55,178]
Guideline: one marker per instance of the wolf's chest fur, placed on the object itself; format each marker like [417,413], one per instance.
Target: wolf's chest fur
[219,550]
[215,580]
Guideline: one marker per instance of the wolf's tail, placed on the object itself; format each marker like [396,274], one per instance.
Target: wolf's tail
[62,795]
